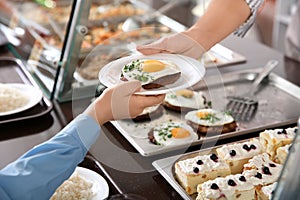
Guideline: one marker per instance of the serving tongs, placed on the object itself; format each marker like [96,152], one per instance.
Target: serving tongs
[243,107]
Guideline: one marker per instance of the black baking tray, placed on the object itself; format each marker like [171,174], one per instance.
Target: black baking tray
[13,70]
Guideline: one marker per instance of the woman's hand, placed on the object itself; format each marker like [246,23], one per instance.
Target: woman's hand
[179,43]
[220,19]
[120,102]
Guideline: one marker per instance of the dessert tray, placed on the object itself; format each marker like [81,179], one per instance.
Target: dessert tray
[165,167]
[270,149]
[279,105]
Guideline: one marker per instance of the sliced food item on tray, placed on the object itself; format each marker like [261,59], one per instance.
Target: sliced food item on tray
[185,100]
[172,133]
[262,170]
[210,121]
[272,139]
[193,171]
[230,187]
[238,154]
[258,172]
[121,9]
[149,113]
[281,153]
[266,192]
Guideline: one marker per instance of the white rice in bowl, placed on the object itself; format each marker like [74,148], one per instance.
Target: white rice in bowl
[76,187]
[11,98]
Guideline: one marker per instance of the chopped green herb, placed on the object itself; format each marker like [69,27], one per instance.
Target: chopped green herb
[136,64]
[165,132]
[227,112]
[211,117]
[143,78]
[173,96]
[209,104]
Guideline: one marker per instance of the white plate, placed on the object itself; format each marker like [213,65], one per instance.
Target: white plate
[34,94]
[100,187]
[192,71]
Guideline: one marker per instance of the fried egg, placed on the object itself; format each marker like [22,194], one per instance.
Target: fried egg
[209,117]
[146,71]
[149,109]
[174,133]
[186,98]
[149,113]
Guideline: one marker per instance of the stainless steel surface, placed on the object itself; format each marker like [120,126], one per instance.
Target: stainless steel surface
[10,35]
[44,43]
[136,22]
[220,56]
[58,29]
[3,39]
[279,104]
[264,73]
[244,107]
[36,26]
[62,89]
[289,180]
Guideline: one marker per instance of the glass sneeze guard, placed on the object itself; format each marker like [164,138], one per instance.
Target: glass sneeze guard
[289,180]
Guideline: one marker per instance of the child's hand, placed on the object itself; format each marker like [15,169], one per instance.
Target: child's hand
[120,102]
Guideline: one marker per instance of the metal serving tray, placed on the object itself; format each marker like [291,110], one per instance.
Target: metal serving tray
[220,56]
[13,71]
[166,167]
[279,105]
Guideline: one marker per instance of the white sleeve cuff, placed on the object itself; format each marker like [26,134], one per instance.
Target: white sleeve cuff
[254,6]
[88,130]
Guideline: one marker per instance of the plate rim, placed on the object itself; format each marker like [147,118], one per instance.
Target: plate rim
[101,180]
[196,66]
[37,98]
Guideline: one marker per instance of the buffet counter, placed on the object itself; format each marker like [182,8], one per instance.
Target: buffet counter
[112,155]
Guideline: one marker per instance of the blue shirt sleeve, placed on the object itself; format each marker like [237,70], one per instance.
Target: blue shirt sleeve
[38,173]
